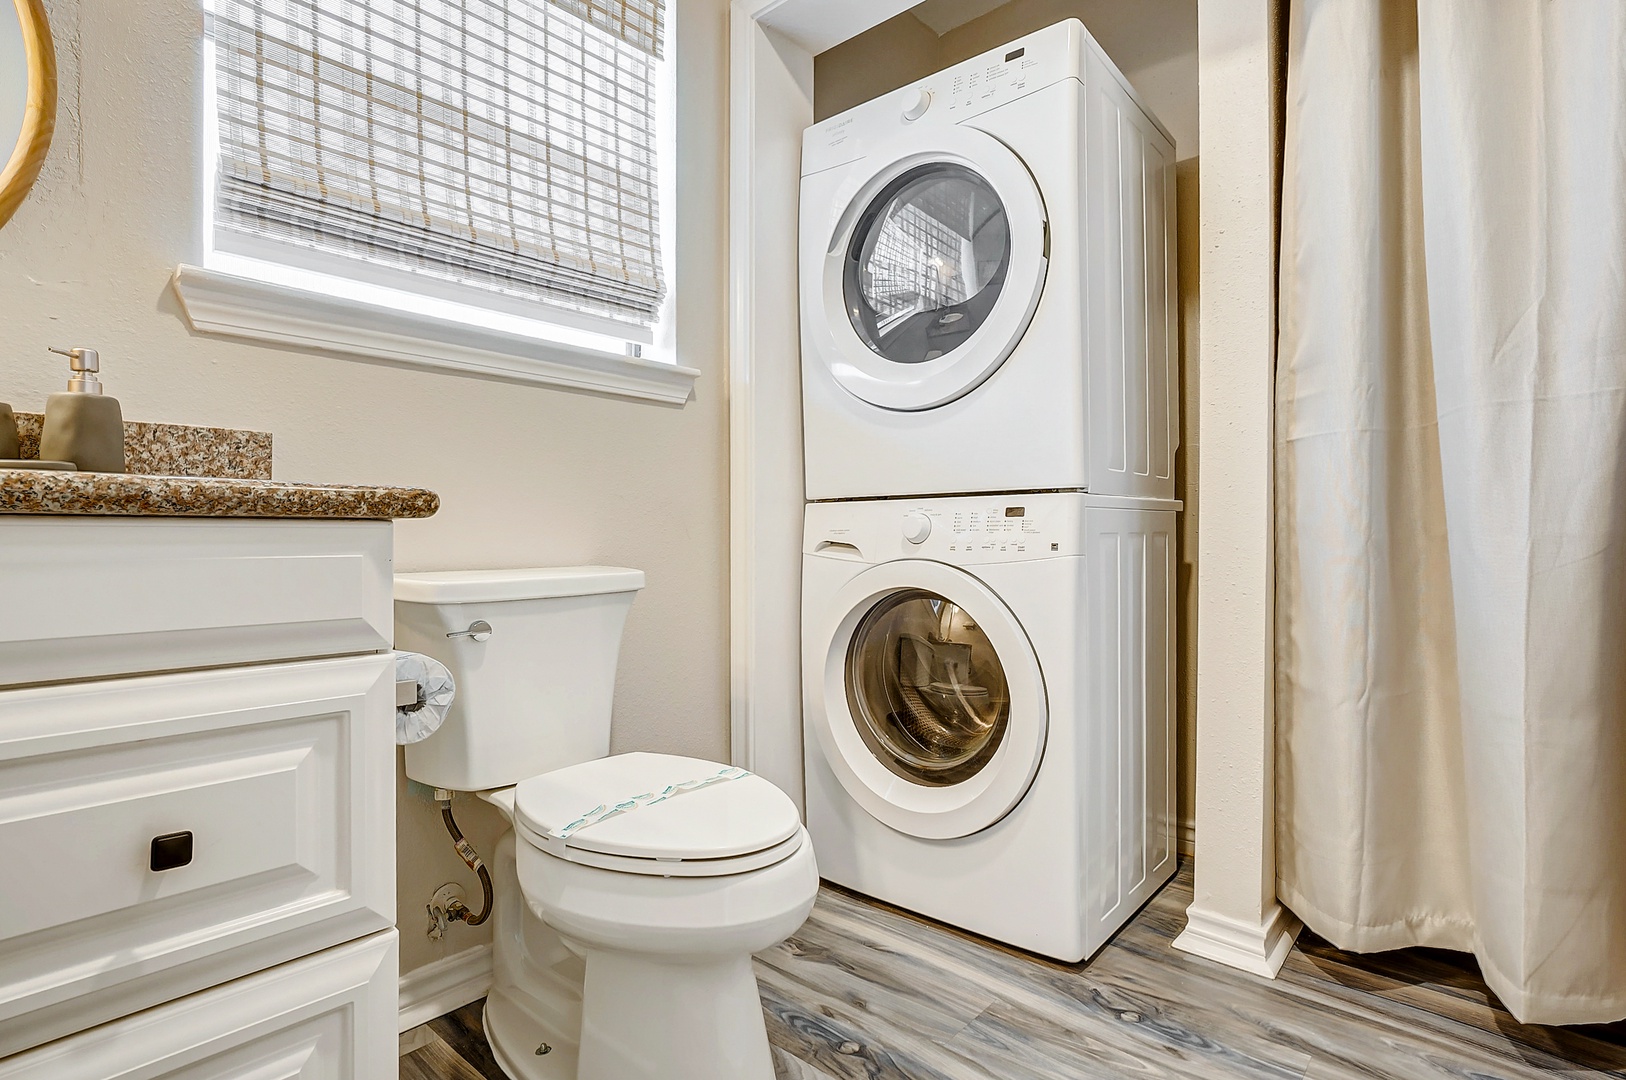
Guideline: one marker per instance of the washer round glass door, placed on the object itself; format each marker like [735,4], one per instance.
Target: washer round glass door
[934,712]
[934,267]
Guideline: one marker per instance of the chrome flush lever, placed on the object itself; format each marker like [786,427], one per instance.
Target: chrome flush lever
[479,630]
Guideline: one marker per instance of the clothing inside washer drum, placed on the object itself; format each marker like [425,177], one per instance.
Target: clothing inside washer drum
[927,689]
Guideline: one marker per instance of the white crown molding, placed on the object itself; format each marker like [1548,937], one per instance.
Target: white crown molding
[242,307]
[1257,948]
[451,982]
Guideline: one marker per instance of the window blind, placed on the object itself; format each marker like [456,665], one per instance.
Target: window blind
[504,144]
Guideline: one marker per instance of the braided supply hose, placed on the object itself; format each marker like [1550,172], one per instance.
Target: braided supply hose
[465,850]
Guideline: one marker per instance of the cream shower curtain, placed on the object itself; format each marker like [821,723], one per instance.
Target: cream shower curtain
[1451,489]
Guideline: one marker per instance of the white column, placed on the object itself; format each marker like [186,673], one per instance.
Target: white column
[1234,917]
[771,101]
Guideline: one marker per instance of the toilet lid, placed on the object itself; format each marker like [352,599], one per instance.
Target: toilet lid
[655,806]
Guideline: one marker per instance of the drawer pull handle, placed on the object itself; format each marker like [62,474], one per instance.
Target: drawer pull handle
[170,851]
[479,630]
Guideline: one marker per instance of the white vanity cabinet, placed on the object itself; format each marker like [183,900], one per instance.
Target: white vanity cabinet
[197,837]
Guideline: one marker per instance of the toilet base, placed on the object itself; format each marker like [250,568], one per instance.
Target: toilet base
[610,1014]
[635,1025]
[515,1034]
[535,995]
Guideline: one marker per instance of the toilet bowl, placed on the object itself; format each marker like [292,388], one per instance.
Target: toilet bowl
[630,890]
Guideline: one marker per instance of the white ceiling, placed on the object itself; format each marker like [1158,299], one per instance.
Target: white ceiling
[944,15]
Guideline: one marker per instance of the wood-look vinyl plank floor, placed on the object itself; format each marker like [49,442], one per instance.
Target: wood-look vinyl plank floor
[865,991]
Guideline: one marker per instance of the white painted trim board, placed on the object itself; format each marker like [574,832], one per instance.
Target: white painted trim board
[449,983]
[241,307]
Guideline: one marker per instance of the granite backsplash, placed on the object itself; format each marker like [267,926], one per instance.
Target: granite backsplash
[177,449]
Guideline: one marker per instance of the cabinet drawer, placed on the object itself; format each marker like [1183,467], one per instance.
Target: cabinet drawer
[331,1016]
[92,597]
[283,775]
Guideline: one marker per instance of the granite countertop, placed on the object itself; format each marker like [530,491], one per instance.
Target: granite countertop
[29,491]
[183,471]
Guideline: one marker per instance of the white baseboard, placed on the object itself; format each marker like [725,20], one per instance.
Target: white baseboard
[449,983]
[1259,949]
[1185,837]
[414,1038]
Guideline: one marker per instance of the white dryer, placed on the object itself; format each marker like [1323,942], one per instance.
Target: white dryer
[987,279]
[988,690]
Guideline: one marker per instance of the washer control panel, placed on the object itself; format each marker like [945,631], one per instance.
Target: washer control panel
[964,530]
[995,529]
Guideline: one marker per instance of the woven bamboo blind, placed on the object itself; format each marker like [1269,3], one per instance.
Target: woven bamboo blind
[505,145]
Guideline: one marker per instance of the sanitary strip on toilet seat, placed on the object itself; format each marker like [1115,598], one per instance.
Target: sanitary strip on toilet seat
[557,842]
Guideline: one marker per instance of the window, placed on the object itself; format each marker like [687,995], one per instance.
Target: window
[492,161]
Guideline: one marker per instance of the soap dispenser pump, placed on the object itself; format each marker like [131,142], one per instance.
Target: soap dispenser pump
[84,425]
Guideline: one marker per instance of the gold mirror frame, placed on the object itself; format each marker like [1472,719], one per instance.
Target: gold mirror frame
[39,117]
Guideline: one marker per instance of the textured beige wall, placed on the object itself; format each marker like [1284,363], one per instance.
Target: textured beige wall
[1154,42]
[885,57]
[527,475]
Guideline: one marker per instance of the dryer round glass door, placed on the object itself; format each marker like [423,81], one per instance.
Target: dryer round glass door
[933,712]
[936,259]
[927,263]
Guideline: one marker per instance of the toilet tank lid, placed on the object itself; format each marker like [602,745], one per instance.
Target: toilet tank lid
[535,583]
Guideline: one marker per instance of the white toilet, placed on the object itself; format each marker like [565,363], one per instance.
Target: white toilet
[633,889]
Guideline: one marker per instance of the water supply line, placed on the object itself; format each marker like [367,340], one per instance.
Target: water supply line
[457,910]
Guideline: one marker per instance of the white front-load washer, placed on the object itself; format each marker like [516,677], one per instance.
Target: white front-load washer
[987,282]
[988,688]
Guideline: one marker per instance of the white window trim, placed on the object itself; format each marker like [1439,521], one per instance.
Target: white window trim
[361,314]
[243,307]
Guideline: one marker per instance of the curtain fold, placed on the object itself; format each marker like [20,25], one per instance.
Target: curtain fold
[1451,489]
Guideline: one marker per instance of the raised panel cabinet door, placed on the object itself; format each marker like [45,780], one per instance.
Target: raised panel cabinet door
[331,1016]
[90,598]
[165,833]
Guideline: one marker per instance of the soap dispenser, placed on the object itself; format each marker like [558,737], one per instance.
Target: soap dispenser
[84,425]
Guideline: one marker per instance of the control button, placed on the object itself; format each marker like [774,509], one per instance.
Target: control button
[918,106]
[916,527]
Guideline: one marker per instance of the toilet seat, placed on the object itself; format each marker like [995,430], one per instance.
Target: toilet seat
[658,814]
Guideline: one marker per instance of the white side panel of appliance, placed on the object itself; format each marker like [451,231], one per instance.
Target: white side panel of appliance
[94,597]
[1129,746]
[284,776]
[331,1016]
[1130,294]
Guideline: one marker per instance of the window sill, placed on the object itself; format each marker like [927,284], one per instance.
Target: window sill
[241,307]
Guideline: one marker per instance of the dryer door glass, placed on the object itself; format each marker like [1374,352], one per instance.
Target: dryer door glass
[927,262]
[926,688]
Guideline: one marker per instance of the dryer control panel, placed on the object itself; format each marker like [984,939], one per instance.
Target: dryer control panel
[953,95]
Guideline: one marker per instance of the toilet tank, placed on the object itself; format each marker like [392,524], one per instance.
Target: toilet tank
[533,696]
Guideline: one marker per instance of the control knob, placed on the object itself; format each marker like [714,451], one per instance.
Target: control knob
[918,104]
[916,527]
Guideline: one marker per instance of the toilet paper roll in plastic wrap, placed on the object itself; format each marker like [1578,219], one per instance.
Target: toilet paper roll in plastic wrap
[416,721]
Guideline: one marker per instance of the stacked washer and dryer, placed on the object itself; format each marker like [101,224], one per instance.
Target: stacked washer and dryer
[990,420]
